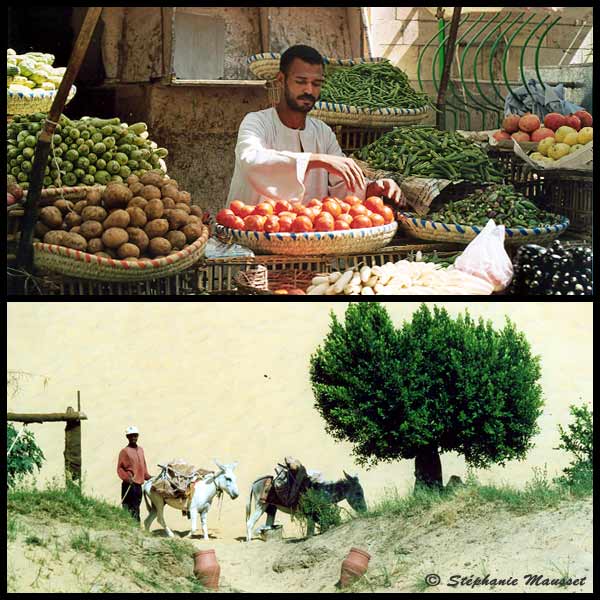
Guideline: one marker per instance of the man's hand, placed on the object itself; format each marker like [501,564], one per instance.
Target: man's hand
[341,166]
[130,480]
[388,188]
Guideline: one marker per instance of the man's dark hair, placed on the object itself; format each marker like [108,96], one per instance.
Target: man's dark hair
[305,53]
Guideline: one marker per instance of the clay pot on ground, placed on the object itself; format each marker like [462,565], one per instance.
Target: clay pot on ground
[354,566]
[207,569]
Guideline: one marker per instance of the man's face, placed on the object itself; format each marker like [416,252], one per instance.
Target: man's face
[133,438]
[302,86]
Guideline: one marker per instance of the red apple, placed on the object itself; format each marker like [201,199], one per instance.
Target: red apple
[529,123]
[554,121]
[573,121]
[539,134]
[510,123]
[585,118]
[501,135]
[521,136]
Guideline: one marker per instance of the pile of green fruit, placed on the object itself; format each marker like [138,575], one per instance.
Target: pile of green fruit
[499,202]
[430,152]
[84,152]
[32,71]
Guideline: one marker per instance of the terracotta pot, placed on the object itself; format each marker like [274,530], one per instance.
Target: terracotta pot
[207,569]
[354,566]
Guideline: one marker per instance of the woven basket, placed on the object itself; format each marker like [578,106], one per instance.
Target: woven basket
[22,103]
[314,242]
[266,64]
[342,114]
[261,281]
[75,263]
[445,232]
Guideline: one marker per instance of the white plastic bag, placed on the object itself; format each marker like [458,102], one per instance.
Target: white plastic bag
[485,257]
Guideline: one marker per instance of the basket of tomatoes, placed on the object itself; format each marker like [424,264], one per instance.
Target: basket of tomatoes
[327,226]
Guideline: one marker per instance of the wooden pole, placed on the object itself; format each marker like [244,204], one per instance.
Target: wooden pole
[42,149]
[45,417]
[265,29]
[73,448]
[449,57]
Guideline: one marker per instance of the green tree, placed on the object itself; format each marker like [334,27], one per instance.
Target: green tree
[579,441]
[23,454]
[434,385]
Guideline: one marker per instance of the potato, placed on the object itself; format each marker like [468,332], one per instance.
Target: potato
[138,237]
[94,197]
[79,206]
[196,210]
[75,241]
[177,239]
[95,245]
[51,217]
[193,219]
[72,219]
[76,229]
[156,228]
[114,237]
[150,192]
[168,181]
[159,246]
[91,229]
[136,187]
[177,219]
[185,198]
[138,201]
[116,195]
[153,178]
[154,209]
[137,217]
[128,250]
[40,230]
[169,191]
[132,179]
[184,207]
[65,206]
[55,237]
[168,202]
[192,232]
[93,213]
[117,218]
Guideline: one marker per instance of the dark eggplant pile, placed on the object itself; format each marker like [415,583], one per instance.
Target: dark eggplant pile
[553,271]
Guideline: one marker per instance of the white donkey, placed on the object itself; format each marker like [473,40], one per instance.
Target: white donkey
[204,491]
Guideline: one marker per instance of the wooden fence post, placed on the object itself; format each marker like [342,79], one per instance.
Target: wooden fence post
[73,449]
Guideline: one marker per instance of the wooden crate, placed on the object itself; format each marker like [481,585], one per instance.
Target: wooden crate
[526,180]
[352,139]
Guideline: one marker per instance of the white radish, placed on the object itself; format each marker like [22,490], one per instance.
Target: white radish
[343,281]
[334,276]
[367,291]
[372,281]
[320,289]
[319,279]
[365,274]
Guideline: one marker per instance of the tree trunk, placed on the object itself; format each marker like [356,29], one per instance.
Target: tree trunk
[428,469]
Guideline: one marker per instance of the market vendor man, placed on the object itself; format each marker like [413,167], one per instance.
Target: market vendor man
[284,154]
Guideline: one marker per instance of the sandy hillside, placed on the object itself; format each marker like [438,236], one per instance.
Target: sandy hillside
[448,540]
[230,380]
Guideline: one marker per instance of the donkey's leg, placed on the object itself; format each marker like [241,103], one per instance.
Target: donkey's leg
[203,518]
[160,509]
[271,512]
[194,517]
[151,515]
[256,515]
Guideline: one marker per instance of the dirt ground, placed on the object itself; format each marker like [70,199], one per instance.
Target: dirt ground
[450,540]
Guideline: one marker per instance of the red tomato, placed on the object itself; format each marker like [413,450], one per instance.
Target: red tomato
[345,207]
[352,200]
[229,220]
[246,211]
[340,225]
[235,207]
[305,212]
[345,217]
[301,223]
[285,223]
[357,209]
[222,214]
[297,207]
[270,201]
[333,208]
[255,222]
[282,206]
[377,220]
[288,214]
[238,223]
[272,224]
[315,202]
[264,208]
[387,213]
[361,221]
[324,222]
[374,203]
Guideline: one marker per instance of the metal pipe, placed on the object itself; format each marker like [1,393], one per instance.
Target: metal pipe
[537,52]
[505,54]
[523,53]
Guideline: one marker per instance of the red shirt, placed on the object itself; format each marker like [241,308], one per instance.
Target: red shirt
[132,462]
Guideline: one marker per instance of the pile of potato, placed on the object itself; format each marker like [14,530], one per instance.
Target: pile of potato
[144,217]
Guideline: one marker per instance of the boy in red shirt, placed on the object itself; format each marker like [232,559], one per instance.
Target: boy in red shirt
[132,470]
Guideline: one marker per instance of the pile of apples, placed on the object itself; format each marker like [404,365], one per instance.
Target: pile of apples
[328,214]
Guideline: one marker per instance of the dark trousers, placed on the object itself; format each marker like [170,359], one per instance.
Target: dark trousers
[133,499]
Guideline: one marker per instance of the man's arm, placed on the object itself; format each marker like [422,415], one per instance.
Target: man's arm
[124,470]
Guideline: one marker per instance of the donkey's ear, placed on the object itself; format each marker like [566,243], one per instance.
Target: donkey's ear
[235,464]
[218,463]
[346,475]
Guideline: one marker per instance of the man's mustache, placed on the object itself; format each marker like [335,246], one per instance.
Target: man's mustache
[307,98]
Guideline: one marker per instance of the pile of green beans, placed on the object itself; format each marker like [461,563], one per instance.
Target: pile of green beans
[499,202]
[429,152]
[372,85]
